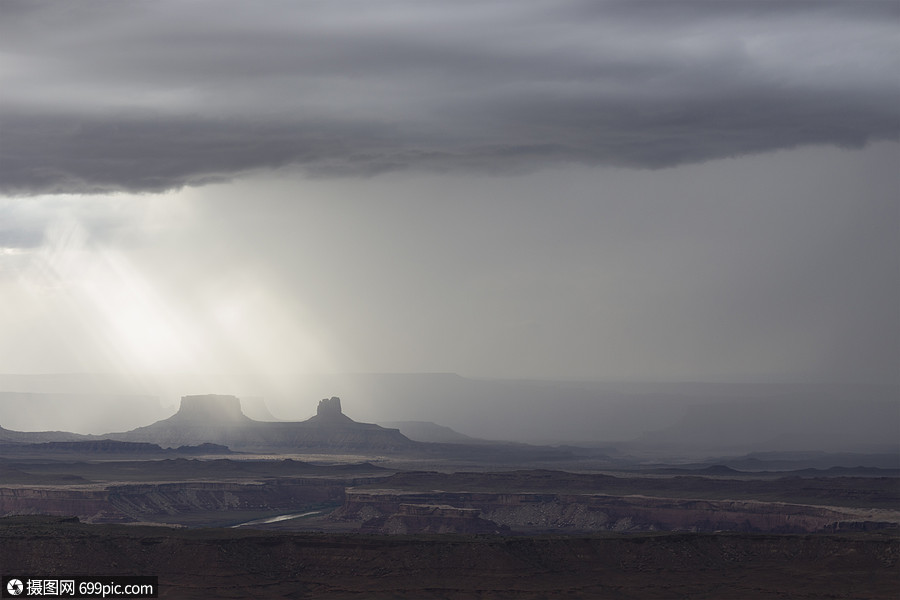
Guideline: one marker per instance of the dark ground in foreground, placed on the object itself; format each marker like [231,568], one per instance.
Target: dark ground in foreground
[229,563]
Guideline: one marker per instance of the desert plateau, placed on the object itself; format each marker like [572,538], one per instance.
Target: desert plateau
[330,507]
[425,300]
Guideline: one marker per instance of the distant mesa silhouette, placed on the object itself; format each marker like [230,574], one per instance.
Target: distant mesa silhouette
[218,419]
[10,436]
[329,412]
[211,408]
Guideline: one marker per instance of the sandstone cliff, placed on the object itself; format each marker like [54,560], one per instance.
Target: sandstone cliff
[553,512]
[432,518]
[168,502]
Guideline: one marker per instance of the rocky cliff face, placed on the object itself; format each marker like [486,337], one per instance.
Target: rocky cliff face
[392,511]
[329,412]
[550,512]
[432,518]
[167,501]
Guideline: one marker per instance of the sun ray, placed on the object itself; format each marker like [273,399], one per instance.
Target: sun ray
[110,308]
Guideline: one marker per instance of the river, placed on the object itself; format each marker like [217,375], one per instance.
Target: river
[276,519]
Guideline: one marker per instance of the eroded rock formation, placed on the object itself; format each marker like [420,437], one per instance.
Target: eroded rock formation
[142,502]
[432,518]
[329,411]
[550,512]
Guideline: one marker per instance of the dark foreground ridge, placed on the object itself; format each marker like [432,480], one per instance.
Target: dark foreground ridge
[229,563]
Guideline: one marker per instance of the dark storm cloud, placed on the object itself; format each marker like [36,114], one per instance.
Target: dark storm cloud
[707,9]
[146,97]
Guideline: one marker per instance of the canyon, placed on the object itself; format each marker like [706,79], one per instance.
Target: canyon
[369,498]
[330,507]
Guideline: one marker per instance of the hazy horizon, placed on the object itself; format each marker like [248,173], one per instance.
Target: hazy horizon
[662,419]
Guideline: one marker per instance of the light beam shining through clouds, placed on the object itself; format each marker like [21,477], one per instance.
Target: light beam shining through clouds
[678,190]
[93,308]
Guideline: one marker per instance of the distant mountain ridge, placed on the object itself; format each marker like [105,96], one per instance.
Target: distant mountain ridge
[36,437]
[107,447]
[426,431]
[660,420]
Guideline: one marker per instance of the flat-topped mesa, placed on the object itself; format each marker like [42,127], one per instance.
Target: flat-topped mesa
[329,407]
[211,408]
[329,411]
[218,419]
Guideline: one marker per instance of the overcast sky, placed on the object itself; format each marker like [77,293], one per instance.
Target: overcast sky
[509,188]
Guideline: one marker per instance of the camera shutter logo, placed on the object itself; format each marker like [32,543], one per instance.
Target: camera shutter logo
[14,587]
